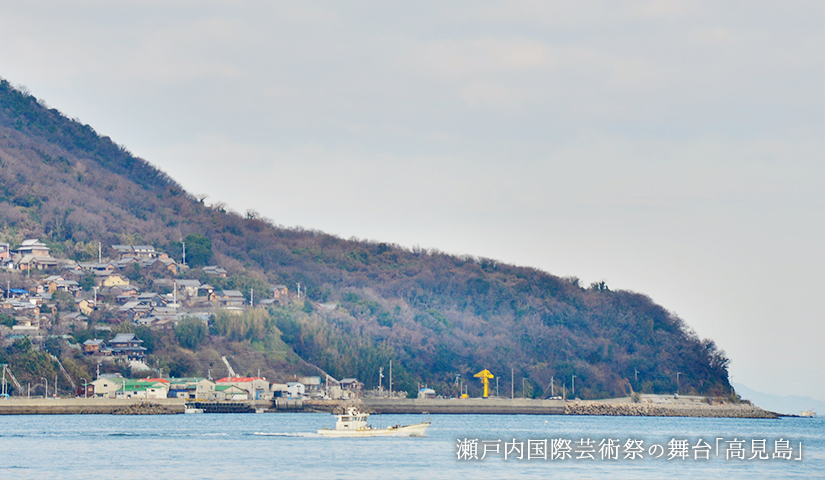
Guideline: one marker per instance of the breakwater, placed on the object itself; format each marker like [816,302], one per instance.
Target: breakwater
[649,409]
[499,406]
[50,406]
[651,406]
[489,406]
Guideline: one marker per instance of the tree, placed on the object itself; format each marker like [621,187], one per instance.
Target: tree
[198,250]
[87,282]
[190,332]
[307,308]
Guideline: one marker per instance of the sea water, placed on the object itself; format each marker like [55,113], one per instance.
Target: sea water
[277,445]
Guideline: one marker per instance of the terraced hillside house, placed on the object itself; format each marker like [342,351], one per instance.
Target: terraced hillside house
[127,345]
[33,247]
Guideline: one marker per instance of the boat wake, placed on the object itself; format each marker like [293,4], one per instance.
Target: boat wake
[277,434]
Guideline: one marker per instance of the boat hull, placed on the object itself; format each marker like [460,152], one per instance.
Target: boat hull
[416,430]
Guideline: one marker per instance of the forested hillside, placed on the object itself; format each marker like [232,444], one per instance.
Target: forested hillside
[435,315]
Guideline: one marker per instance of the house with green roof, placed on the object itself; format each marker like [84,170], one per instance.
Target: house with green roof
[230,392]
[192,388]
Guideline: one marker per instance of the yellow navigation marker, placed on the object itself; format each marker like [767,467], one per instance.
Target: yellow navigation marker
[485,377]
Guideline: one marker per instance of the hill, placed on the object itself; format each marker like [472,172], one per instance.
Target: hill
[435,315]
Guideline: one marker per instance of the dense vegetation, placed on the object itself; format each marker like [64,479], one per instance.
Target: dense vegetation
[435,315]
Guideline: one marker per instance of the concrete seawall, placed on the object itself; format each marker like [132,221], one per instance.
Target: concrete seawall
[50,406]
[501,406]
[652,407]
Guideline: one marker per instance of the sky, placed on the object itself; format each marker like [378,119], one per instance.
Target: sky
[666,147]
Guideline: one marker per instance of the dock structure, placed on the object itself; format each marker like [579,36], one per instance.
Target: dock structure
[502,406]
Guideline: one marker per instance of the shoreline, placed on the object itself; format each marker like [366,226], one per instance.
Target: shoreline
[728,410]
[654,406]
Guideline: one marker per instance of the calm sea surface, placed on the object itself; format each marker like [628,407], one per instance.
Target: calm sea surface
[284,445]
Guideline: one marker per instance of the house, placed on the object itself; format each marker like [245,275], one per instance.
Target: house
[143,389]
[94,346]
[33,247]
[142,252]
[5,252]
[119,387]
[86,305]
[279,390]
[188,288]
[122,250]
[231,298]
[97,267]
[194,388]
[151,299]
[229,393]
[40,299]
[112,280]
[279,291]
[295,389]
[61,285]
[426,392]
[75,318]
[348,388]
[214,271]
[256,387]
[207,292]
[135,309]
[17,293]
[105,386]
[34,262]
[312,385]
[162,265]
[127,345]
[26,326]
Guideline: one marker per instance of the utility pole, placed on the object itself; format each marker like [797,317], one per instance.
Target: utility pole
[380,376]
[552,386]
[512,383]
[251,297]
[299,289]
[574,386]
[183,257]
[523,390]
[390,378]
[497,395]
[678,386]
[99,253]
[636,372]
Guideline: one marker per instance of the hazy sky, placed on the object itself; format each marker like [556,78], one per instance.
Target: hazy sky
[670,148]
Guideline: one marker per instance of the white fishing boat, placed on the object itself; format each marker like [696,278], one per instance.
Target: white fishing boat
[352,423]
[808,413]
[191,410]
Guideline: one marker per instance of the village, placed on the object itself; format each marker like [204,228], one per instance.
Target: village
[111,286]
